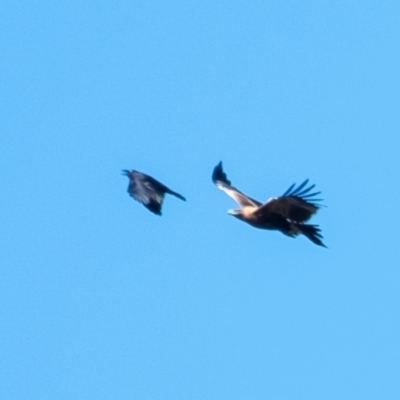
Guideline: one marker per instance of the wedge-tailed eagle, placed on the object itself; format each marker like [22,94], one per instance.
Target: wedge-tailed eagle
[148,190]
[287,213]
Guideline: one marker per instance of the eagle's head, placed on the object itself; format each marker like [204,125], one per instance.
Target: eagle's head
[236,213]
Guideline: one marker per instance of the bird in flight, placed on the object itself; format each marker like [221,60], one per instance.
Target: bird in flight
[148,190]
[287,213]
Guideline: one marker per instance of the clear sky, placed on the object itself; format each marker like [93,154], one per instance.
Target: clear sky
[100,299]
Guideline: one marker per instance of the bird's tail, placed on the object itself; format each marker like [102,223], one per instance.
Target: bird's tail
[176,194]
[312,232]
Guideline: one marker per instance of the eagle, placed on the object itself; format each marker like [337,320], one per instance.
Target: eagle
[287,213]
[148,190]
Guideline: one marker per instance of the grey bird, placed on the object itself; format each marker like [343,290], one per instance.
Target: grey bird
[147,190]
[287,213]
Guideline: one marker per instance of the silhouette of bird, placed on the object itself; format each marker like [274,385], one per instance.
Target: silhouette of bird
[148,190]
[287,213]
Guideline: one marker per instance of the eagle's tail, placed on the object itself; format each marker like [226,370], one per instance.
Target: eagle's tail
[312,232]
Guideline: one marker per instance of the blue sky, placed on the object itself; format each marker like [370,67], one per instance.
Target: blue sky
[100,299]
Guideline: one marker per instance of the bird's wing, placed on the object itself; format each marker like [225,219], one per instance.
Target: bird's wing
[296,204]
[146,190]
[220,179]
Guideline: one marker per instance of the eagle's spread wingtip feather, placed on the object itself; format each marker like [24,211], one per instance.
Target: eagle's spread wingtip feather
[219,175]
[289,190]
[304,191]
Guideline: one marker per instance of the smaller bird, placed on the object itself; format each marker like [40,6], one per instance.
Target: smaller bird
[147,190]
[287,213]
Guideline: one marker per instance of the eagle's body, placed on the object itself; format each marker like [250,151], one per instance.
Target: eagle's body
[148,190]
[287,213]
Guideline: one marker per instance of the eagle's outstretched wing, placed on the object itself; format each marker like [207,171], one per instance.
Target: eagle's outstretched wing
[220,179]
[296,204]
[148,190]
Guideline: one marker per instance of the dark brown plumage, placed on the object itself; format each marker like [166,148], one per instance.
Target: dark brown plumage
[287,213]
[148,190]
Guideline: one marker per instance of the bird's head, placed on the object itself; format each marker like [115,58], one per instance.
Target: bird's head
[236,213]
[126,172]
